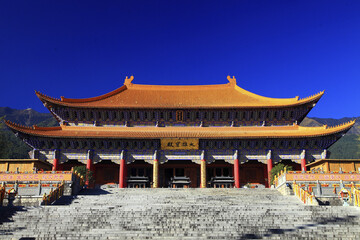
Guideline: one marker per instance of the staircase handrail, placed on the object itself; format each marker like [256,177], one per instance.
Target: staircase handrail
[306,197]
[280,178]
[2,193]
[355,195]
[53,194]
[81,178]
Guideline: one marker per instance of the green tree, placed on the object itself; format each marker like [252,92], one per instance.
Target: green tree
[277,169]
[86,173]
[3,146]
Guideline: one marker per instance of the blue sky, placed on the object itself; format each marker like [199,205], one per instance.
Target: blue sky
[274,48]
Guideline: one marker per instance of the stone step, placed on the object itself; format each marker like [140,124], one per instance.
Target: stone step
[183,214]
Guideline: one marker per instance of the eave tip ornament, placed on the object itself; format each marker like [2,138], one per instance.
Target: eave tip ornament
[232,81]
[128,80]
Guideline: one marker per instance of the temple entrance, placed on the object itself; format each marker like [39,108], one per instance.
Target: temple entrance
[106,172]
[220,175]
[253,173]
[179,173]
[139,175]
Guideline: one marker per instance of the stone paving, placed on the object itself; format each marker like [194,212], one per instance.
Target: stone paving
[112,213]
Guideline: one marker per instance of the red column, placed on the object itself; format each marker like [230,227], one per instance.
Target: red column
[89,164]
[89,167]
[55,164]
[236,173]
[125,175]
[303,165]
[269,167]
[122,173]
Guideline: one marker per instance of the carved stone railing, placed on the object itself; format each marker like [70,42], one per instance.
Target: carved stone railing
[2,193]
[35,183]
[80,178]
[308,185]
[53,195]
[303,195]
[355,196]
[36,176]
[290,176]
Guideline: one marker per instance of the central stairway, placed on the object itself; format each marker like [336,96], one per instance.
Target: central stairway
[111,213]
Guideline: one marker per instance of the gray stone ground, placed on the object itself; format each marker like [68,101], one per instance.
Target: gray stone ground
[183,214]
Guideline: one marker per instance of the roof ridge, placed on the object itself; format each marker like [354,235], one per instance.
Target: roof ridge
[312,96]
[16,125]
[351,122]
[46,96]
[228,95]
[106,95]
[33,127]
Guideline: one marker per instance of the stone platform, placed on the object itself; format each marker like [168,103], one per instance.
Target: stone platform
[111,213]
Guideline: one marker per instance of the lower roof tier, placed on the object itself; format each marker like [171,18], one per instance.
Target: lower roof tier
[294,131]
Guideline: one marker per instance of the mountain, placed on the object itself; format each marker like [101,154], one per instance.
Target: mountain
[11,146]
[26,117]
[348,147]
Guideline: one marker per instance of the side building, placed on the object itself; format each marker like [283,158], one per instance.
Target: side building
[197,136]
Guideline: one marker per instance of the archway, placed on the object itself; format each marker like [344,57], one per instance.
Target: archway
[220,174]
[253,173]
[139,174]
[179,168]
[106,172]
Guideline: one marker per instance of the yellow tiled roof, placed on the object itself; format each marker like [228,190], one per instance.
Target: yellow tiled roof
[294,131]
[158,96]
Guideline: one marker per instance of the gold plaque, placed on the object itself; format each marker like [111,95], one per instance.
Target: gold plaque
[179,143]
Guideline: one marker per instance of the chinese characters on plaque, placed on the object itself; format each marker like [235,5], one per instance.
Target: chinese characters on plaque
[179,144]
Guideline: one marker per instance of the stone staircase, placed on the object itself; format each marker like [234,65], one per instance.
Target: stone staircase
[111,213]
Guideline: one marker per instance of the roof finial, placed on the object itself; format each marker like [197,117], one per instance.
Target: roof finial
[232,80]
[128,81]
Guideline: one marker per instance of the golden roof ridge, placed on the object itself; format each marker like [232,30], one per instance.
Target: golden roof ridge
[33,127]
[351,122]
[290,131]
[16,125]
[38,93]
[228,95]
[319,94]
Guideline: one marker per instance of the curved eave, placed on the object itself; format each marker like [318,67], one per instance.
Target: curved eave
[252,100]
[294,131]
[311,99]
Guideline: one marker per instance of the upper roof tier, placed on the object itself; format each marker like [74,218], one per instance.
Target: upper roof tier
[132,95]
[294,131]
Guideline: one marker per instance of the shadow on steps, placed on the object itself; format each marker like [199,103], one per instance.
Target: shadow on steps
[67,200]
[64,200]
[320,221]
[7,212]
[96,191]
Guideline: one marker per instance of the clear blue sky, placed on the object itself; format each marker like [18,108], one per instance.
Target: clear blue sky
[274,48]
